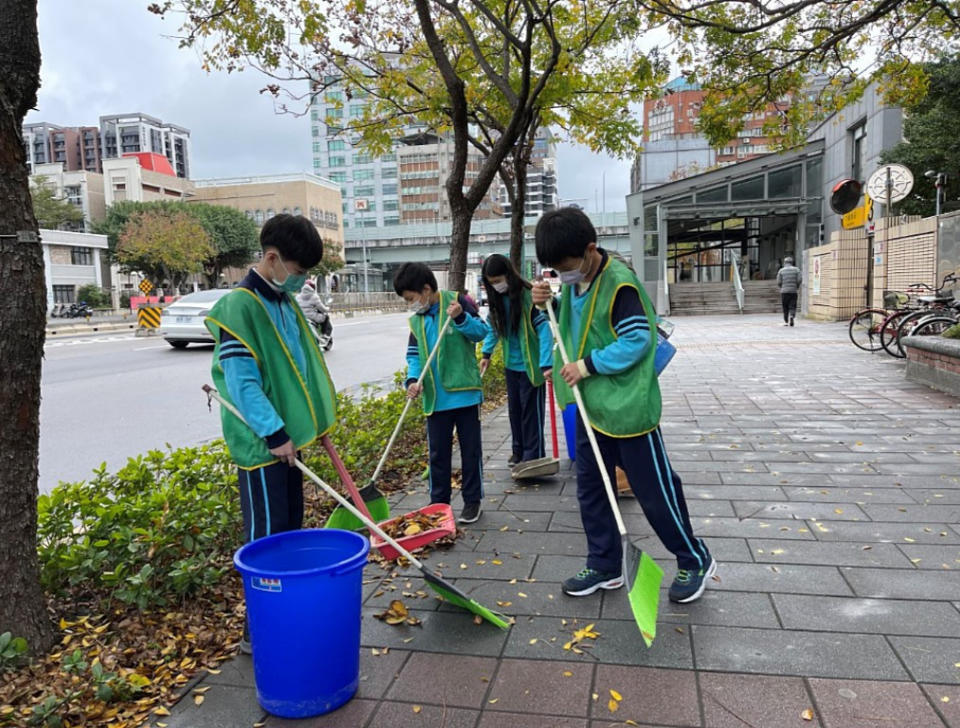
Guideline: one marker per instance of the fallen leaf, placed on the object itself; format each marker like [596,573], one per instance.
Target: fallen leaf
[945,699]
[496,562]
[615,695]
[807,714]
[161,711]
[838,511]
[493,701]
[567,673]
[477,619]
[521,594]
[198,699]
[613,706]
[533,641]
[908,539]
[504,604]
[417,708]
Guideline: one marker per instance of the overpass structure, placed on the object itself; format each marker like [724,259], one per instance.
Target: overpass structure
[385,248]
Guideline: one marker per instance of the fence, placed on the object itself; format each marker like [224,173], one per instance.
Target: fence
[358,302]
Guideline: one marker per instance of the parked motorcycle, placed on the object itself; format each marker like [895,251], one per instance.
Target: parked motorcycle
[76,310]
[325,329]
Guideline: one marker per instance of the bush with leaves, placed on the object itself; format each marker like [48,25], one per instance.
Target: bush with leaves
[94,295]
[12,649]
[162,528]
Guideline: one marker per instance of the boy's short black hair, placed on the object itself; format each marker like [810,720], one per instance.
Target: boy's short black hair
[413,277]
[563,233]
[294,237]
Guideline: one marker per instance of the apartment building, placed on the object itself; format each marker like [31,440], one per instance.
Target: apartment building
[85,147]
[541,178]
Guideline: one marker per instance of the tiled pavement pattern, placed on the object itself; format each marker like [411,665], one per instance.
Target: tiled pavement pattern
[828,488]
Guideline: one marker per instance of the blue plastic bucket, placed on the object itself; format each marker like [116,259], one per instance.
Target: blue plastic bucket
[570,429]
[303,593]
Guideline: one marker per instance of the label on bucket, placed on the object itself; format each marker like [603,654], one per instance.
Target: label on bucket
[269,585]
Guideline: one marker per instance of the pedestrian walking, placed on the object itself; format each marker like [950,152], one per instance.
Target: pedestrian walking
[524,331]
[452,391]
[788,281]
[266,363]
[606,319]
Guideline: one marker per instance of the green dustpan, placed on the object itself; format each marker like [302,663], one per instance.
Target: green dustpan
[640,572]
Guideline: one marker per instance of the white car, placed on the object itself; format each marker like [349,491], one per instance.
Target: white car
[181,322]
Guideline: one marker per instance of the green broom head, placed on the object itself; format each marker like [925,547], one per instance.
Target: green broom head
[643,578]
[453,595]
[376,504]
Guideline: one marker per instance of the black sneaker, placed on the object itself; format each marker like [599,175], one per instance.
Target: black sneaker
[688,585]
[514,459]
[589,580]
[470,513]
[791,320]
[245,647]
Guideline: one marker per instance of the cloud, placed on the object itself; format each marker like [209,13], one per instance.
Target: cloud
[108,57]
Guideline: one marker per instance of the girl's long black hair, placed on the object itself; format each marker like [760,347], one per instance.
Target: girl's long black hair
[500,265]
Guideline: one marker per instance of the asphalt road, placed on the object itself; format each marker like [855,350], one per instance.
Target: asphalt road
[110,397]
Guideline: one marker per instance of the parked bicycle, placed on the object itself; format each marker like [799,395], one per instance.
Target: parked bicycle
[874,328]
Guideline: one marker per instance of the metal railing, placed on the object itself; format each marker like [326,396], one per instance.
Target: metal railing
[735,277]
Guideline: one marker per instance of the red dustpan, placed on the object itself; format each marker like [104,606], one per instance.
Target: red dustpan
[439,513]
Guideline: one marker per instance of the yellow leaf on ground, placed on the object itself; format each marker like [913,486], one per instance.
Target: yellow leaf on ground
[533,641]
[807,714]
[615,695]
[613,706]
[492,702]
[417,708]
[567,673]
[496,562]
[161,711]
[198,699]
[945,699]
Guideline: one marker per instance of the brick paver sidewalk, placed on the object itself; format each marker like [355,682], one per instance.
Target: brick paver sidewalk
[827,487]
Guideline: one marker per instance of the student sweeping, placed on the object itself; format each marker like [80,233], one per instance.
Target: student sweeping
[267,364]
[527,353]
[605,319]
[452,391]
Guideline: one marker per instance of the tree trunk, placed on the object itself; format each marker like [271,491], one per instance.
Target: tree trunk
[23,307]
[459,241]
[518,209]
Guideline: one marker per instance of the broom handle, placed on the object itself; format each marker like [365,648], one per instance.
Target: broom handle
[214,394]
[345,476]
[608,486]
[396,430]
[553,419]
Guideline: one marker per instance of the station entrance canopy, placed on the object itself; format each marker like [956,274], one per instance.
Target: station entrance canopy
[753,213]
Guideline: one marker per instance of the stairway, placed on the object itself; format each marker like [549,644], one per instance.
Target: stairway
[698,299]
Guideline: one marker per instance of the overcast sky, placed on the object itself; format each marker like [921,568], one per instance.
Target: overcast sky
[112,56]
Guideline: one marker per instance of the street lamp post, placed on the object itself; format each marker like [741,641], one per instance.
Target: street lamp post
[939,182]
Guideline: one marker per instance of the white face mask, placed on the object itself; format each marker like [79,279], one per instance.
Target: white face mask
[501,287]
[573,277]
[419,306]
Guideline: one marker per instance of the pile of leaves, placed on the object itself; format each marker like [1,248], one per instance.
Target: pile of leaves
[138,570]
[411,524]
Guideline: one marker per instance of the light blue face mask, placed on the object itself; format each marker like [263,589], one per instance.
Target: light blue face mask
[292,283]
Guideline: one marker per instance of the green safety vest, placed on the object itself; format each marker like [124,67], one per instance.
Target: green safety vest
[456,360]
[529,341]
[619,405]
[307,405]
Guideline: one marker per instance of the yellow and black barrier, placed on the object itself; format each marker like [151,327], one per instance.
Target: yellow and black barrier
[148,320]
